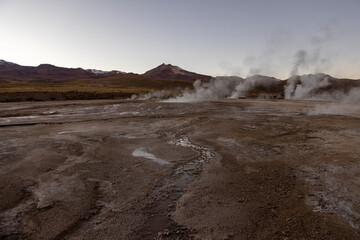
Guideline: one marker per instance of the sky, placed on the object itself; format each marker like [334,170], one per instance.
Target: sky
[223,37]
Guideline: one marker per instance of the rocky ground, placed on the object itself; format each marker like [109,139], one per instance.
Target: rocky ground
[239,169]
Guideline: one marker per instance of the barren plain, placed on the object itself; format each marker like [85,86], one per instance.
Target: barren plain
[226,169]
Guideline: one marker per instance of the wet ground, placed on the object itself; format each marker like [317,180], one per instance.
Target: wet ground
[229,169]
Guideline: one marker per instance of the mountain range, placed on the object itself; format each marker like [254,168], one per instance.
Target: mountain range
[51,73]
[49,82]
[168,71]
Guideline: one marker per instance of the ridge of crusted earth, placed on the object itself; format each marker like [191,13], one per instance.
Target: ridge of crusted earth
[239,169]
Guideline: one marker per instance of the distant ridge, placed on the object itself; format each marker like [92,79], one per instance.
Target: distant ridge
[51,73]
[168,71]
[48,72]
[48,82]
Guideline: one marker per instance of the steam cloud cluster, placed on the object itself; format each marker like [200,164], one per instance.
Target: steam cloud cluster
[320,87]
[224,87]
[315,58]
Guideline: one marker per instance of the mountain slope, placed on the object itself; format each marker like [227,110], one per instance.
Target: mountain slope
[168,71]
[51,73]
[48,82]
[46,72]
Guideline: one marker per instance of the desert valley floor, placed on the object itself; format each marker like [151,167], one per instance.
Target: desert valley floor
[226,169]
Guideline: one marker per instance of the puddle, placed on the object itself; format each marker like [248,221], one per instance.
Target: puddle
[67,132]
[227,141]
[50,113]
[133,113]
[140,152]
[112,108]
[11,119]
[192,167]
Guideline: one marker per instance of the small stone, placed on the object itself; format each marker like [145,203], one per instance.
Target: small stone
[166,232]
[277,150]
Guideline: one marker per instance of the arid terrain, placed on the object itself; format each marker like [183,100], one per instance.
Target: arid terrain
[224,169]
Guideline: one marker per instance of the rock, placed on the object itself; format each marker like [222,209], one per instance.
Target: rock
[166,232]
[277,150]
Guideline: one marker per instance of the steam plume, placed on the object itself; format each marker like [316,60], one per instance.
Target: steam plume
[300,59]
[224,87]
[321,87]
[305,86]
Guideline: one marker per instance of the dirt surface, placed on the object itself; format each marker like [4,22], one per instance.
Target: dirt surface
[239,169]
[60,96]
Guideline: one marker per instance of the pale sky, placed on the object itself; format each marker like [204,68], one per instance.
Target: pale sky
[227,37]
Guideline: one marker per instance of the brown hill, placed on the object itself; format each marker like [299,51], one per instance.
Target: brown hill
[46,72]
[51,73]
[48,82]
[168,71]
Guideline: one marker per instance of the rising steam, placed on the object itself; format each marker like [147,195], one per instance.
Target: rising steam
[314,58]
[217,88]
[321,87]
[224,87]
[300,59]
[305,87]
[336,109]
